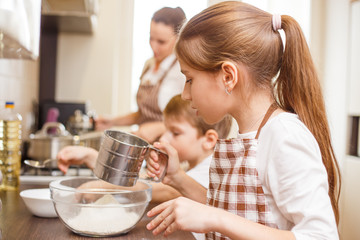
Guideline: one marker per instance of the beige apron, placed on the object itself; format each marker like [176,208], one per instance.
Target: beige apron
[147,98]
[234,182]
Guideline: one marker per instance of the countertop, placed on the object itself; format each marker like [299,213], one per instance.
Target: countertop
[16,222]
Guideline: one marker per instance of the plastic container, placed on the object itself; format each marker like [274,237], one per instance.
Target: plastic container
[10,147]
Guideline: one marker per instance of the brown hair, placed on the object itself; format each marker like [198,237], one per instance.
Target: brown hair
[238,32]
[180,109]
[174,17]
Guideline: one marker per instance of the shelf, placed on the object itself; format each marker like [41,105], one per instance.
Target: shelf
[75,16]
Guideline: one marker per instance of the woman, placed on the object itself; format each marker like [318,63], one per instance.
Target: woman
[279,179]
[161,78]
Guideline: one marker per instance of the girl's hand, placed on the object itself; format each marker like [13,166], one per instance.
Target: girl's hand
[180,214]
[173,162]
[76,155]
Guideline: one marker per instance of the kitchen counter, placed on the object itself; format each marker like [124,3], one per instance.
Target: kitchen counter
[16,222]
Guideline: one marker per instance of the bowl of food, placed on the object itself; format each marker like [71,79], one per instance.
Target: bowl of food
[92,207]
[39,202]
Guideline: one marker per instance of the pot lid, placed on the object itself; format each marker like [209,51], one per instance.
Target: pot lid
[51,130]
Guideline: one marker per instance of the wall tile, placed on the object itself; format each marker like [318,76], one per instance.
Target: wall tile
[19,83]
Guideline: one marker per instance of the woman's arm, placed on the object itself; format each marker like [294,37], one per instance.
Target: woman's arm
[151,131]
[103,123]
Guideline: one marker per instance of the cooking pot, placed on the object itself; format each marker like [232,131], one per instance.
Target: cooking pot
[91,139]
[120,158]
[48,141]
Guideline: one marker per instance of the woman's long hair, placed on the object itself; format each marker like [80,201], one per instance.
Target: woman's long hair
[238,32]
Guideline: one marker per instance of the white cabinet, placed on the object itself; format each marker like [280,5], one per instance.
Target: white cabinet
[354,68]
[350,194]
[350,199]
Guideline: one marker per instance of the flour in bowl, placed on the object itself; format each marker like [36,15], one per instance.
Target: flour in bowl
[108,219]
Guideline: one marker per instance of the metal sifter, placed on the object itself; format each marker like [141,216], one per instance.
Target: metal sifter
[121,156]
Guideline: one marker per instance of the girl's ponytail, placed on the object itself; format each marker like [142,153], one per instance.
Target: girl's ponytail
[298,90]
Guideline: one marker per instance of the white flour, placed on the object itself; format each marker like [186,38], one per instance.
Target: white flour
[103,220]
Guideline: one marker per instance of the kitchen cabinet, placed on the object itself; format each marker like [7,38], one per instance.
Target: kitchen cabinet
[79,16]
[350,194]
[350,210]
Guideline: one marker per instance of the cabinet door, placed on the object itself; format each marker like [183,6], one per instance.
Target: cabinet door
[350,195]
[354,68]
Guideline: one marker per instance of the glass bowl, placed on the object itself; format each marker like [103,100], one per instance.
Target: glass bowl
[92,207]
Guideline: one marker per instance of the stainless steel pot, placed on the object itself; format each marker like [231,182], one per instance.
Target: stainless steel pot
[91,139]
[47,142]
[121,156]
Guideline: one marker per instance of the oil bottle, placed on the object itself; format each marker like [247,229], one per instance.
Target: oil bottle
[10,147]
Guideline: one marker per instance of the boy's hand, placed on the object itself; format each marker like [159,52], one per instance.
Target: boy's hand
[76,155]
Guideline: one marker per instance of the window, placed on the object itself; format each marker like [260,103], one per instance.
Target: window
[298,9]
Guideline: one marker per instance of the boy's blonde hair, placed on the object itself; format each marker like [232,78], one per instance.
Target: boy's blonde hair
[180,109]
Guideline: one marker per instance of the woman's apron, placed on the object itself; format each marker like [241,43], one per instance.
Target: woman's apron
[234,182]
[147,98]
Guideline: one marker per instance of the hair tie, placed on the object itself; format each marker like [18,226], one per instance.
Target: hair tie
[276,22]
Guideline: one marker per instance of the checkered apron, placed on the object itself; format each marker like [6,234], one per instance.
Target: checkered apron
[147,98]
[234,182]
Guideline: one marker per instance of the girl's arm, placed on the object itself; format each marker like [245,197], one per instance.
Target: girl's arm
[187,215]
[162,193]
[175,176]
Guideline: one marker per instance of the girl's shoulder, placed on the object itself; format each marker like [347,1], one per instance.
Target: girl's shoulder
[286,127]
[286,122]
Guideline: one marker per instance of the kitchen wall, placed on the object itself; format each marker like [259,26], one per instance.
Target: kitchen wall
[19,83]
[97,67]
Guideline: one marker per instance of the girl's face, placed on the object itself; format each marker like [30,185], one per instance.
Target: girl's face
[184,138]
[162,40]
[206,91]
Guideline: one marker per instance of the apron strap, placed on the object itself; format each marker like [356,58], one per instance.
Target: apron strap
[270,111]
[166,72]
[147,68]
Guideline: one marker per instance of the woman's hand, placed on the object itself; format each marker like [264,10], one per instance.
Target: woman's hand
[76,155]
[180,214]
[102,123]
[150,131]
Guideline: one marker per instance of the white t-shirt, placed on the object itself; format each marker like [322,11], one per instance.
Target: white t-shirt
[173,82]
[294,178]
[201,172]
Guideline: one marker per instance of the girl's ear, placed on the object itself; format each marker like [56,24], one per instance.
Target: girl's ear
[230,75]
[211,136]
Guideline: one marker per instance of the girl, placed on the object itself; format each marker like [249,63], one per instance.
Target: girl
[279,179]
